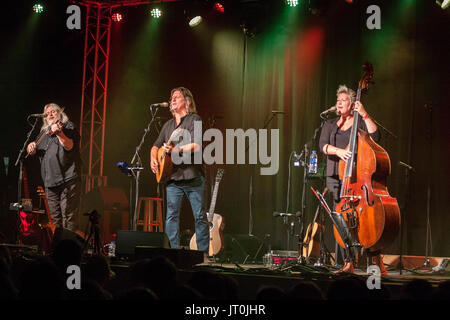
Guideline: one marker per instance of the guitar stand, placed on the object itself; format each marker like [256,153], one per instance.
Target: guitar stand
[324,257]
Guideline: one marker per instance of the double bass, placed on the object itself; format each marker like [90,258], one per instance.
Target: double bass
[371,214]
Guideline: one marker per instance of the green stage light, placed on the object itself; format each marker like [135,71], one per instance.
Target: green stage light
[156,13]
[292,3]
[38,8]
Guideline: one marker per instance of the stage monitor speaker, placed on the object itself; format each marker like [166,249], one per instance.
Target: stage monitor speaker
[127,241]
[182,258]
[243,249]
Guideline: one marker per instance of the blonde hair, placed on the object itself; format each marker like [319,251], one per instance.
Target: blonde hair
[62,116]
[344,89]
[187,95]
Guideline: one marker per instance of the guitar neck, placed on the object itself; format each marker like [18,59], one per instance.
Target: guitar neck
[212,207]
[353,140]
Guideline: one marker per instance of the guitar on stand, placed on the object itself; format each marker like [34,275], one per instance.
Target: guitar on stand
[43,197]
[313,238]
[216,223]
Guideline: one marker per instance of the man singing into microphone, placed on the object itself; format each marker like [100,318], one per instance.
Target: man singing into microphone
[59,154]
[186,178]
[334,138]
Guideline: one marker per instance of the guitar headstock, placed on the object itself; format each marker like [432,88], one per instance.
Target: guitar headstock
[219,175]
[40,191]
[363,84]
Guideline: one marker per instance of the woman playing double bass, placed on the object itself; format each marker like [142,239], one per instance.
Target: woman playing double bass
[334,139]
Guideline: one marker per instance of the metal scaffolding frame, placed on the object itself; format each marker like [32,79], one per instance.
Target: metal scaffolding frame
[94,94]
[95,86]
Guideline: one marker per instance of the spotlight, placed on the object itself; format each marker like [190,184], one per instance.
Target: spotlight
[117,17]
[156,13]
[196,11]
[195,21]
[38,8]
[292,3]
[444,4]
[219,7]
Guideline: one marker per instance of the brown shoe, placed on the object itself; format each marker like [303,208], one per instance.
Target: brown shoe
[348,267]
[379,262]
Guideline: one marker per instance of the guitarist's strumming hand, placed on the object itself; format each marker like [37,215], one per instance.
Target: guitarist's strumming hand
[170,148]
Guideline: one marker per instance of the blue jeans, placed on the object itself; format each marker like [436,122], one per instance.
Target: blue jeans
[193,189]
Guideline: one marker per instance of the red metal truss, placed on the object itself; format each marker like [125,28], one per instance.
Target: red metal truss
[94,94]
[95,86]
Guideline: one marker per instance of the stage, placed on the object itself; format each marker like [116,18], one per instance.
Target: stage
[251,278]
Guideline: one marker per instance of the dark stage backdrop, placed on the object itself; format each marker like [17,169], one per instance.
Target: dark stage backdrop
[292,60]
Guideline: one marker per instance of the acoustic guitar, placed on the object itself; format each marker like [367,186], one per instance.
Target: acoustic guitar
[311,241]
[165,165]
[43,196]
[216,223]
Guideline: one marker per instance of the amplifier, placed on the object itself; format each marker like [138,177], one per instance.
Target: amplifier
[278,258]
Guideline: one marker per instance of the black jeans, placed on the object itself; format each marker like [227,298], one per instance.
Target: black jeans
[63,202]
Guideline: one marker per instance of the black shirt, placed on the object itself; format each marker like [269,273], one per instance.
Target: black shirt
[59,165]
[184,171]
[332,135]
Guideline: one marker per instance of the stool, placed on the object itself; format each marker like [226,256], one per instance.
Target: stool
[150,222]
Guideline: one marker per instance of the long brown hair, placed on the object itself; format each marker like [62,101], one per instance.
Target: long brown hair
[187,95]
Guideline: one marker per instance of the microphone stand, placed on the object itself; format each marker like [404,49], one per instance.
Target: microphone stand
[19,162]
[408,169]
[250,220]
[301,258]
[136,168]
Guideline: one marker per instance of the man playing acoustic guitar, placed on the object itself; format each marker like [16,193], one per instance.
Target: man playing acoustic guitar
[186,178]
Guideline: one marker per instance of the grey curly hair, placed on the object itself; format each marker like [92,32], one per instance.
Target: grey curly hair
[62,115]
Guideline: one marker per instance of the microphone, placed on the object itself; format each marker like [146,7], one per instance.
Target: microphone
[160,105]
[38,115]
[281,214]
[407,166]
[278,112]
[329,110]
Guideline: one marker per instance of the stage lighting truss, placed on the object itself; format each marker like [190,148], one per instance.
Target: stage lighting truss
[292,3]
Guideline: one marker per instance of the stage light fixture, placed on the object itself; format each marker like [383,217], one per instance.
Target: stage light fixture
[292,3]
[219,7]
[444,4]
[116,17]
[38,8]
[156,13]
[195,21]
